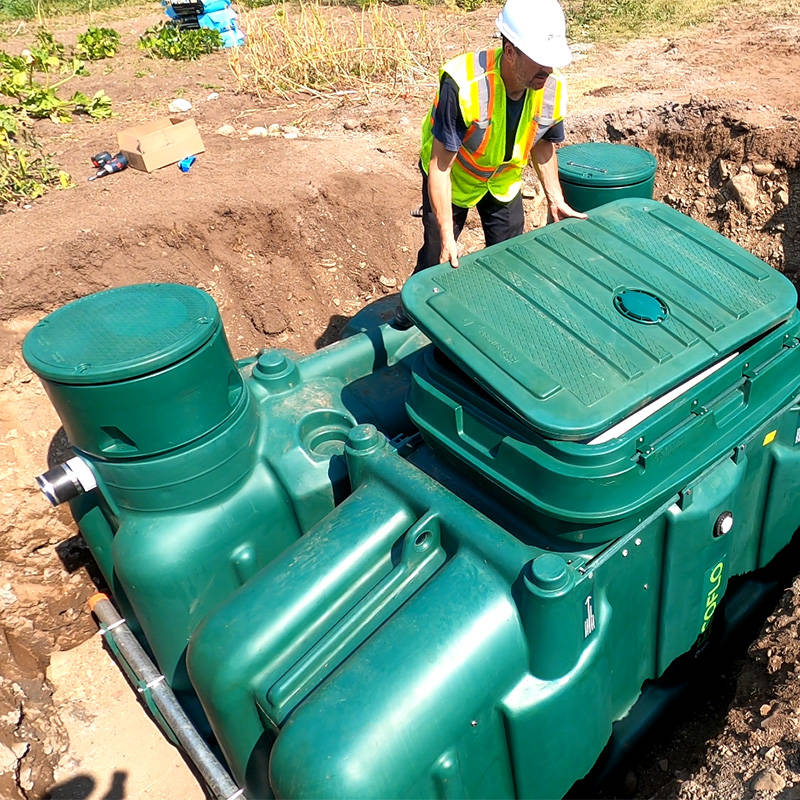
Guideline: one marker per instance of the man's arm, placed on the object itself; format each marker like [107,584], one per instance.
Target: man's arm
[440,194]
[545,163]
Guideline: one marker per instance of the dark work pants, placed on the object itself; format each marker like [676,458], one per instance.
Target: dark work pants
[500,221]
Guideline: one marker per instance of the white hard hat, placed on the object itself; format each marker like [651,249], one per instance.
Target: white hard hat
[536,27]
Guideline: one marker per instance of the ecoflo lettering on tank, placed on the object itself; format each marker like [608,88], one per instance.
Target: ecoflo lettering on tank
[713,577]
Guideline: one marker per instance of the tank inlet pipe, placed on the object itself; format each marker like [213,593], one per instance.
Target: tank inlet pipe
[66,481]
[113,626]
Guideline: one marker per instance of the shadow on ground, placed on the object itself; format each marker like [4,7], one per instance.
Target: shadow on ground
[82,787]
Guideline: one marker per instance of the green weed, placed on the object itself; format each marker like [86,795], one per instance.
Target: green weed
[25,171]
[98,43]
[33,79]
[169,41]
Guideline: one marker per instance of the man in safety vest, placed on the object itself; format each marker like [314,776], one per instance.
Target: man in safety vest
[494,110]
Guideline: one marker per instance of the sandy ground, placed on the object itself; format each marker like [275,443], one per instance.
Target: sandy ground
[107,759]
[291,236]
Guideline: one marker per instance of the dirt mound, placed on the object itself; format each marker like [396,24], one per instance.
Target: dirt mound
[719,167]
[287,269]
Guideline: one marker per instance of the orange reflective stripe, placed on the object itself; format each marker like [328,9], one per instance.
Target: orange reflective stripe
[470,167]
[479,151]
[505,168]
[530,140]
[474,139]
[471,161]
[491,75]
[434,106]
[468,170]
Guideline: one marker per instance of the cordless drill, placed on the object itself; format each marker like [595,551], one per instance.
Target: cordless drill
[101,158]
[113,164]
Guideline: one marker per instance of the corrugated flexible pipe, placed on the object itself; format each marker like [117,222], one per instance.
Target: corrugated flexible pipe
[213,773]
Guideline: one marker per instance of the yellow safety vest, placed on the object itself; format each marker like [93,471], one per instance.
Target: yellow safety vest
[480,166]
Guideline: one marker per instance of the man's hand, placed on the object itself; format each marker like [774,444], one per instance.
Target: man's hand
[545,162]
[449,253]
[560,209]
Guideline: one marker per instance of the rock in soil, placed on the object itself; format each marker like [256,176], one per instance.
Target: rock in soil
[768,781]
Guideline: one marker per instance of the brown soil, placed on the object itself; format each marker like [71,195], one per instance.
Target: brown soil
[292,236]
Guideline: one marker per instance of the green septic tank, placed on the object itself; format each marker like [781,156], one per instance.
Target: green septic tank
[441,562]
[595,173]
[108,361]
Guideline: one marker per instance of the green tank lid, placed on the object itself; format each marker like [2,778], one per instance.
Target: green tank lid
[121,333]
[578,324]
[136,370]
[605,164]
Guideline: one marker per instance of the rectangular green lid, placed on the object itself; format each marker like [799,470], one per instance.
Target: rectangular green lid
[576,325]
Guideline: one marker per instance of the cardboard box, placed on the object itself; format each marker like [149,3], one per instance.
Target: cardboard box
[159,142]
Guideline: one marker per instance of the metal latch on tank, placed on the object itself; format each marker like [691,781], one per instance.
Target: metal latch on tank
[697,409]
[643,451]
[748,375]
[685,497]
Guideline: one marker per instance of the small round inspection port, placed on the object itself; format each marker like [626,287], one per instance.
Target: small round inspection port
[423,540]
[724,524]
[640,306]
[323,433]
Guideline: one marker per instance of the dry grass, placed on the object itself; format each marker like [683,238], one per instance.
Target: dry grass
[43,10]
[598,20]
[320,50]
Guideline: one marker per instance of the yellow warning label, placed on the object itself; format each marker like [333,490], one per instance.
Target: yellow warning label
[769,437]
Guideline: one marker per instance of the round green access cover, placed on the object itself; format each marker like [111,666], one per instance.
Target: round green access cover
[121,333]
[640,306]
[605,164]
